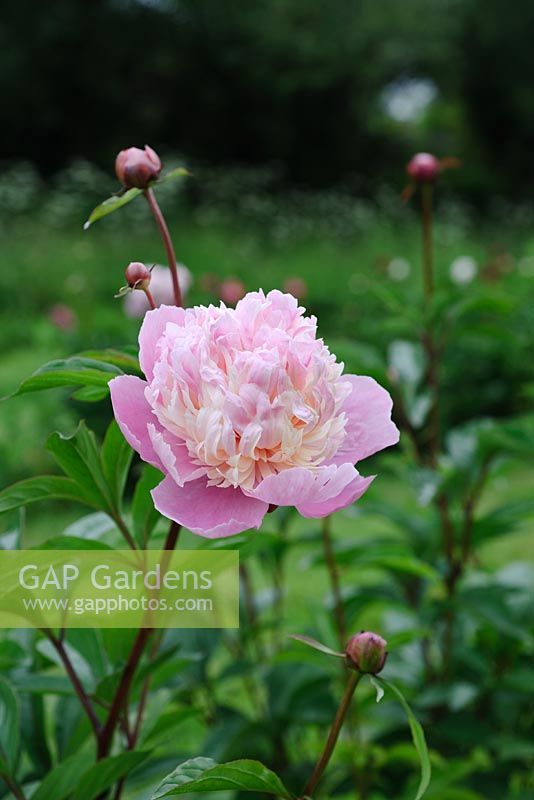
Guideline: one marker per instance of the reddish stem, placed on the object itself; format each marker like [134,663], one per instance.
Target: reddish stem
[76,683]
[149,297]
[167,242]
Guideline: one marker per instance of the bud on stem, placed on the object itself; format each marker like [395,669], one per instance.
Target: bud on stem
[366,653]
[137,168]
[138,277]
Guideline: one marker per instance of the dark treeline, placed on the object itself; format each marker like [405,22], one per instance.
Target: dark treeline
[295,84]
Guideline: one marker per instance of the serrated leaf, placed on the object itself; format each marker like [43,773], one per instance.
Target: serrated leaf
[316,645]
[205,775]
[74,371]
[105,773]
[45,487]
[9,727]
[418,737]
[63,779]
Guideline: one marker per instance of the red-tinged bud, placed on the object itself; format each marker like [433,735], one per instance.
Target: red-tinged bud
[137,275]
[137,168]
[297,287]
[231,291]
[424,168]
[366,653]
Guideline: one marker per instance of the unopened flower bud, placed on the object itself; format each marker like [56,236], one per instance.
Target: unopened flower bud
[137,168]
[423,168]
[366,653]
[137,275]
[231,291]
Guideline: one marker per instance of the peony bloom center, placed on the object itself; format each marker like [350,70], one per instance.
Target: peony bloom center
[250,392]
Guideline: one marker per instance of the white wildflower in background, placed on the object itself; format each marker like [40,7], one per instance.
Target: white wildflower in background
[463,269]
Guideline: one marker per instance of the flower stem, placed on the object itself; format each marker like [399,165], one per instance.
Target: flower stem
[84,699]
[121,698]
[150,298]
[428,261]
[333,571]
[13,786]
[325,756]
[167,242]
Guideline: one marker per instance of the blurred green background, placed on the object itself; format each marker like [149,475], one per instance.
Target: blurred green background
[296,120]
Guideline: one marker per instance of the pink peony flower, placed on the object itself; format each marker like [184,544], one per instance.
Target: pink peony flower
[245,408]
[136,303]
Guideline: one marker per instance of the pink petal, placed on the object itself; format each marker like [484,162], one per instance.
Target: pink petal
[173,455]
[352,492]
[313,493]
[153,327]
[369,427]
[208,510]
[133,415]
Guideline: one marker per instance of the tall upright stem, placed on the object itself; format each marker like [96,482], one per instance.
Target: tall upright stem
[167,242]
[333,571]
[325,756]
[429,341]
[427,191]
[120,700]
[434,431]
[13,786]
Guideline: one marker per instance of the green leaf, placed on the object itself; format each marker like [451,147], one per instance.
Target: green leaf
[379,690]
[116,456]
[90,394]
[9,727]
[74,371]
[105,773]
[117,201]
[174,174]
[316,645]
[63,779]
[125,361]
[418,737]
[144,515]
[110,205]
[78,457]
[73,543]
[205,775]
[45,487]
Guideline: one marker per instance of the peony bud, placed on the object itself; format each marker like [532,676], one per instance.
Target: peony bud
[297,287]
[137,275]
[424,168]
[366,653]
[231,291]
[137,168]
